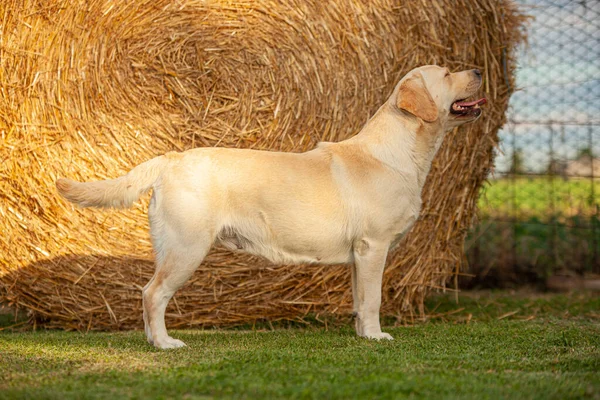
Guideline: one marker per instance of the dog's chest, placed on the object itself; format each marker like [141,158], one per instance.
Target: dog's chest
[404,221]
[402,230]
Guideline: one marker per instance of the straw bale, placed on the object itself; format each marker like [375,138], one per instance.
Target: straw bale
[90,88]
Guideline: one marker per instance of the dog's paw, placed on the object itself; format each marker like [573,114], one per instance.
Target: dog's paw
[169,343]
[379,336]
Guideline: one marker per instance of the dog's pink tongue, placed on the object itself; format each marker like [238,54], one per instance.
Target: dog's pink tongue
[481,101]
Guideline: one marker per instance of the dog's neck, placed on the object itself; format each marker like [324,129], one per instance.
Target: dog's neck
[402,142]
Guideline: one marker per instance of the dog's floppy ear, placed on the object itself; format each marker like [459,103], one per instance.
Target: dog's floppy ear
[414,97]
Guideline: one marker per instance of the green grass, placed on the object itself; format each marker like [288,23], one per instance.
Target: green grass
[487,346]
[540,198]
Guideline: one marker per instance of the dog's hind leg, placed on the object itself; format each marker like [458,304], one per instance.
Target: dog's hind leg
[173,269]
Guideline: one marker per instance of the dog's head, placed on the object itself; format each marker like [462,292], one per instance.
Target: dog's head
[435,95]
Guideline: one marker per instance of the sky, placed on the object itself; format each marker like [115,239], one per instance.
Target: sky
[555,113]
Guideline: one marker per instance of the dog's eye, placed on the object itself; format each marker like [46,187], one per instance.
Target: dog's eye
[447,74]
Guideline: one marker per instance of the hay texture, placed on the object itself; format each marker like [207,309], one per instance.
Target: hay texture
[90,88]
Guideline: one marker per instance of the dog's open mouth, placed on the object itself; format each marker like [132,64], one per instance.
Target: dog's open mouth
[463,108]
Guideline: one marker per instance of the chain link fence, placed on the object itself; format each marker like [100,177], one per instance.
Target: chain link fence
[540,212]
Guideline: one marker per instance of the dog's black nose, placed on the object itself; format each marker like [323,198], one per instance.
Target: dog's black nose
[477,72]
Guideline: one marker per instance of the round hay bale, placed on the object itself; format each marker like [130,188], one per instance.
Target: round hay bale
[90,88]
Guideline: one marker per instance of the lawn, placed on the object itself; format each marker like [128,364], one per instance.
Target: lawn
[489,345]
[541,198]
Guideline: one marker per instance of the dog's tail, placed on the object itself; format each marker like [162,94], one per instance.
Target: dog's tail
[114,193]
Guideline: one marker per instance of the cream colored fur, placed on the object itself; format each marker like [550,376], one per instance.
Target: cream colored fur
[345,202]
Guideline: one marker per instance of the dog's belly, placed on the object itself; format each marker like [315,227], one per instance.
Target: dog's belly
[287,247]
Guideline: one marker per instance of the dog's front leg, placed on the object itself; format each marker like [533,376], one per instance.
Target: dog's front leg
[369,262]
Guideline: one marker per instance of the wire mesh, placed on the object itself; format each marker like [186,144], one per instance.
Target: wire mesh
[540,212]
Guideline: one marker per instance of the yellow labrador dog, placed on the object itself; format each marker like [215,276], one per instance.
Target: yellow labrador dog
[345,202]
